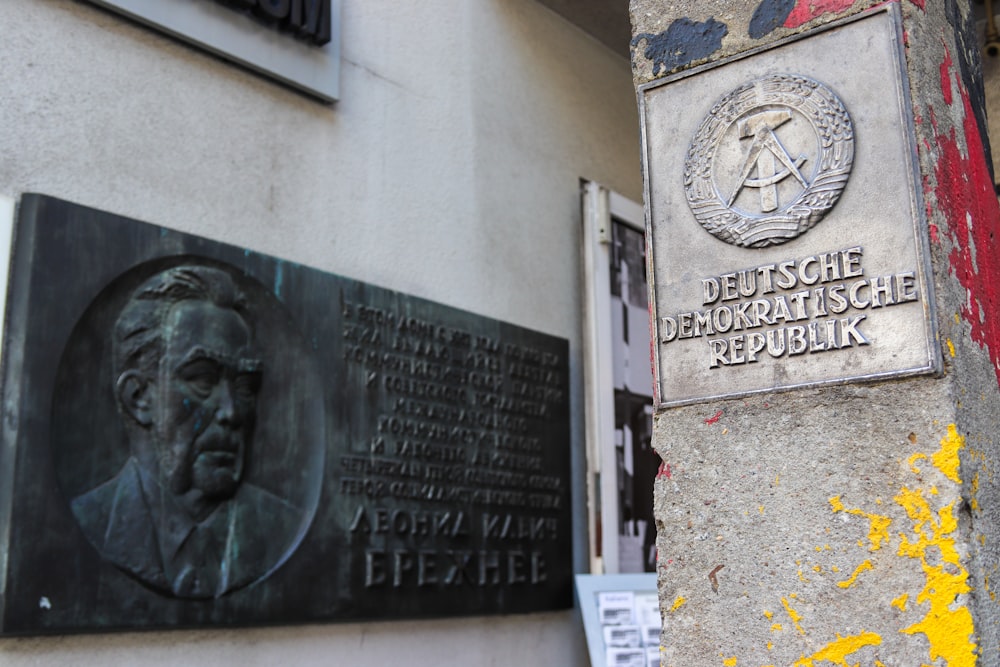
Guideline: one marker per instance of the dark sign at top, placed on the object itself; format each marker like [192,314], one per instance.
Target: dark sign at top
[309,20]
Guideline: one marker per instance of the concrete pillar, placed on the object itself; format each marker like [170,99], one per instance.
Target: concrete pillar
[854,523]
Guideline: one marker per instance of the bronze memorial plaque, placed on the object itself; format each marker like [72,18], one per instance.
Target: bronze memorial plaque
[196,434]
[785,224]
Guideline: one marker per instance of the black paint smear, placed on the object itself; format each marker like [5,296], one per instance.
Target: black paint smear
[683,42]
[971,67]
[769,15]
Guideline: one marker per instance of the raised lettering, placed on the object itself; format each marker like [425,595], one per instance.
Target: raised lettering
[711,290]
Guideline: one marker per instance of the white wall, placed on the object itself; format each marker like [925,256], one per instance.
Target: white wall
[449,170]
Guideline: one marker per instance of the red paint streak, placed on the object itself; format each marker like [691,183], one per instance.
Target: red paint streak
[714,418]
[965,195]
[946,77]
[919,3]
[664,471]
[807,10]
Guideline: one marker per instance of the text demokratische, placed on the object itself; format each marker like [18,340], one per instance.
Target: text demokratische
[832,283]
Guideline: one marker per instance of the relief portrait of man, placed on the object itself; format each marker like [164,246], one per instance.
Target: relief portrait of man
[180,515]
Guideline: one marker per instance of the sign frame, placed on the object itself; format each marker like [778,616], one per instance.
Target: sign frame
[928,361]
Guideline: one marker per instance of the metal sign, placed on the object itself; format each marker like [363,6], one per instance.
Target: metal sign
[784,220]
[198,434]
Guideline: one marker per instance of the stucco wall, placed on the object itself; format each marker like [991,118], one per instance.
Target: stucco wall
[449,170]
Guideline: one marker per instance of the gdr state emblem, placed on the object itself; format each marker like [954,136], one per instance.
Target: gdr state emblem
[769,161]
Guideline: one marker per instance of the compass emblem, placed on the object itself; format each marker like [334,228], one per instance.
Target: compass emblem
[769,161]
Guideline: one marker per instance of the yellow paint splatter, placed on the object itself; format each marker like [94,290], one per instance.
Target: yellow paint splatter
[912,461]
[948,629]
[867,565]
[946,458]
[878,525]
[770,645]
[974,493]
[729,662]
[838,650]
[951,347]
[794,615]
[678,603]
[947,623]
[760,509]
[768,614]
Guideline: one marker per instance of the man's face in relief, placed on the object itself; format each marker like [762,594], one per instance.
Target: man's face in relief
[206,396]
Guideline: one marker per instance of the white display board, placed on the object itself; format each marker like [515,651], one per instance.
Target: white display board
[621,617]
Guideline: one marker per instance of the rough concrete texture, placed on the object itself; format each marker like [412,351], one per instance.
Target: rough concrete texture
[846,529]
[806,500]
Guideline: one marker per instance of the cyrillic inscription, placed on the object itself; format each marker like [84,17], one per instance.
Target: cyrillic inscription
[458,428]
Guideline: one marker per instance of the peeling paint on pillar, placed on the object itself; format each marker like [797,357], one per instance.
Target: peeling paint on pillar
[769,15]
[807,10]
[903,570]
[963,188]
[683,43]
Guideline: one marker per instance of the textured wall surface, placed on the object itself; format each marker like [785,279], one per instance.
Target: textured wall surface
[852,525]
[449,169]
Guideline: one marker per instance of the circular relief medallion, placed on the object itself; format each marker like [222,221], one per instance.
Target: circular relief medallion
[188,427]
[769,161]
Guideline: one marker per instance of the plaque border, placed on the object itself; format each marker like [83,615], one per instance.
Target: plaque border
[323,579]
[933,362]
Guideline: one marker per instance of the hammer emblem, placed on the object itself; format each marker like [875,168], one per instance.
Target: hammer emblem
[764,155]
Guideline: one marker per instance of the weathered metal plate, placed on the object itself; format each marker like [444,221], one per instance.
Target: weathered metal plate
[196,434]
[785,226]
